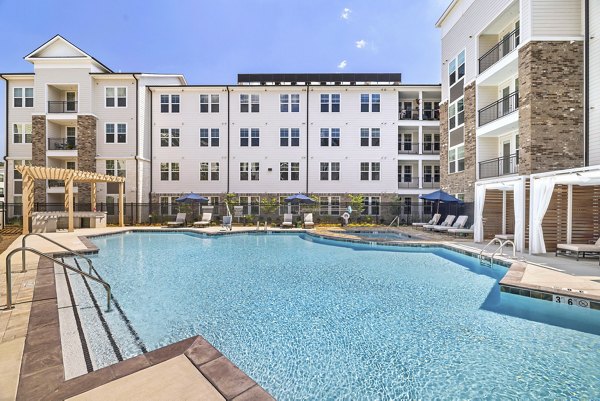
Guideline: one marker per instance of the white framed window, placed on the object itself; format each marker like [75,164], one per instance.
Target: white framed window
[168,205]
[370,102]
[209,103]
[22,133]
[370,137]
[289,171]
[169,103]
[250,204]
[115,132]
[371,205]
[431,143]
[330,102]
[209,171]
[329,205]
[115,168]
[249,103]
[370,171]
[249,137]
[169,171]
[212,140]
[456,68]
[249,171]
[214,137]
[22,97]
[115,96]
[456,158]
[456,114]
[169,137]
[289,137]
[289,103]
[329,171]
[330,137]
[431,174]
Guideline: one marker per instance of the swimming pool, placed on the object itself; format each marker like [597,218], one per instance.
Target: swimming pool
[383,235]
[310,318]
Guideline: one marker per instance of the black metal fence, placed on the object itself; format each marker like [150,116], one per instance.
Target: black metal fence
[500,49]
[499,108]
[499,166]
[250,214]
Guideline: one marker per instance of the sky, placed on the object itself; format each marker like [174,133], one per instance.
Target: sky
[210,42]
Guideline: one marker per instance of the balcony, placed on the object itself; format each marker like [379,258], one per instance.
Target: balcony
[499,166]
[60,106]
[62,144]
[408,148]
[500,50]
[405,181]
[499,108]
[431,148]
[56,183]
[431,181]
[408,114]
[431,114]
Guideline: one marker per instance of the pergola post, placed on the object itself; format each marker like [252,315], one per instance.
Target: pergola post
[93,197]
[27,201]
[69,202]
[121,205]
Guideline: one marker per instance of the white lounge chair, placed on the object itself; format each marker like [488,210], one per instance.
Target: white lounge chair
[205,222]
[433,221]
[288,221]
[446,223]
[459,223]
[308,220]
[578,249]
[226,223]
[179,220]
[462,231]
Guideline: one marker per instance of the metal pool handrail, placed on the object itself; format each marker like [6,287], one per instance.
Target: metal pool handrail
[23,245]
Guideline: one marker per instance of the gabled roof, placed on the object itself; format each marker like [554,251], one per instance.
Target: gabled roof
[447,12]
[60,48]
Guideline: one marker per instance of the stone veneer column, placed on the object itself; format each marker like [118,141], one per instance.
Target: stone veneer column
[464,181]
[86,154]
[38,154]
[550,106]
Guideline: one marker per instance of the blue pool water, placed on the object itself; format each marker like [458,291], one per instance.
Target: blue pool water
[385,235]
[317,319]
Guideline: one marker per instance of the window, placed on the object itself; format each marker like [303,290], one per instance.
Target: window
[209,171]
[204,171]
[431,143]
[374,134]
[249,171]
[373,172]
[371,205]
[289,171]
[249,137]
[214,171]
[325,137]
[249,103]
[115,97]
[18,176]
[284,137]
[169,205]
[431,174]
[244,137]
[209,102]
[169,171]
[375,102]
[71,166]
[169,103]
[121,132]
[456,114]
[332,100]
[214,137]
[250,205]
[22,133]
[456,68]
[289,103]
[254,137]
[456,159]
[329,205]
[115,168]
[169,137]
[330,171]
[22,97]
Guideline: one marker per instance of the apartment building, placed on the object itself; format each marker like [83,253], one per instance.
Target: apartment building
[267,135]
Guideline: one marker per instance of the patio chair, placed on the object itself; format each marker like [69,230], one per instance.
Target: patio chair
[459,223]
[446,223]
[462,231]
[433,221]
[226,223]
[578,249]
[287,221]
[205,222]
[179,221]
[308,220]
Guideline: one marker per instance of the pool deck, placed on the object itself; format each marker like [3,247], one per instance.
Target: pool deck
[31,359]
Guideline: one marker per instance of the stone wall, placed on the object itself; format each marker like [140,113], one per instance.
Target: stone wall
[551,130]
[464,181]
[86,153]
[38,154]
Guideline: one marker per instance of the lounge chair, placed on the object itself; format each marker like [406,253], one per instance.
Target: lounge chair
[462,231]
[579,249]
[308,220]
[433,221]
[205,222]
[459,223]
[287,221]
[179,221]
[226,223]
[446,223]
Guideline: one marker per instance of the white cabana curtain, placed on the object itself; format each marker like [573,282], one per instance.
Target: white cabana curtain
[541,194]
[479,203]
[519,207]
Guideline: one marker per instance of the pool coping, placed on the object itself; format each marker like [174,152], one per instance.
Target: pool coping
[42,368]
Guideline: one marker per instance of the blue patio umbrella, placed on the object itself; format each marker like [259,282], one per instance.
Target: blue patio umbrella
[298,199]
[440,196]
[191,198]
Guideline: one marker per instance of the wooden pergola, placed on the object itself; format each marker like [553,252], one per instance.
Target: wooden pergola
[32,173]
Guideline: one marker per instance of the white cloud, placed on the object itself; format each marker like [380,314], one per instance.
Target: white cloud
[342,64]
[361,43]
[346,13]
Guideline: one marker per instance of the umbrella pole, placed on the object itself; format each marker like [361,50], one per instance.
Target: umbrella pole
[438,207]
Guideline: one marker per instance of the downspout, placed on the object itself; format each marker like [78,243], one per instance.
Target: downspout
[307,128]
[586,85]
[5,152]
[151,146]
[228,138]
[138,190]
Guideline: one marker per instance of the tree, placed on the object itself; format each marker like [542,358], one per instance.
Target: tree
[269,206]
[357,202]
[231,200]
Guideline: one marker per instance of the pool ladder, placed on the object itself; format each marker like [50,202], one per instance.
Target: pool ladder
[483,258]
[24,248]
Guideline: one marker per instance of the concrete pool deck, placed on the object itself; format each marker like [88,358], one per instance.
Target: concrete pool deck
[195,364]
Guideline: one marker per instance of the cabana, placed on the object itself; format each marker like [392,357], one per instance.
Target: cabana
[32,173]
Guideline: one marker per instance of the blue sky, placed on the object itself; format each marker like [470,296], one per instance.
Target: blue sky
[210,42]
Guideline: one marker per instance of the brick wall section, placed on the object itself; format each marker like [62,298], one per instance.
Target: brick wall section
[550,85]
[38,154]
[86,153]
[462,182]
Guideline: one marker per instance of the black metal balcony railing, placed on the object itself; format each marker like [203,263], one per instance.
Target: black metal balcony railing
[408,147]
[55,183]
[405,181]
[62,144]
[59,106]
[500,49]
[431,148]
[408,114]
[499,166]
[431,114]
[499,108]
[431,181]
